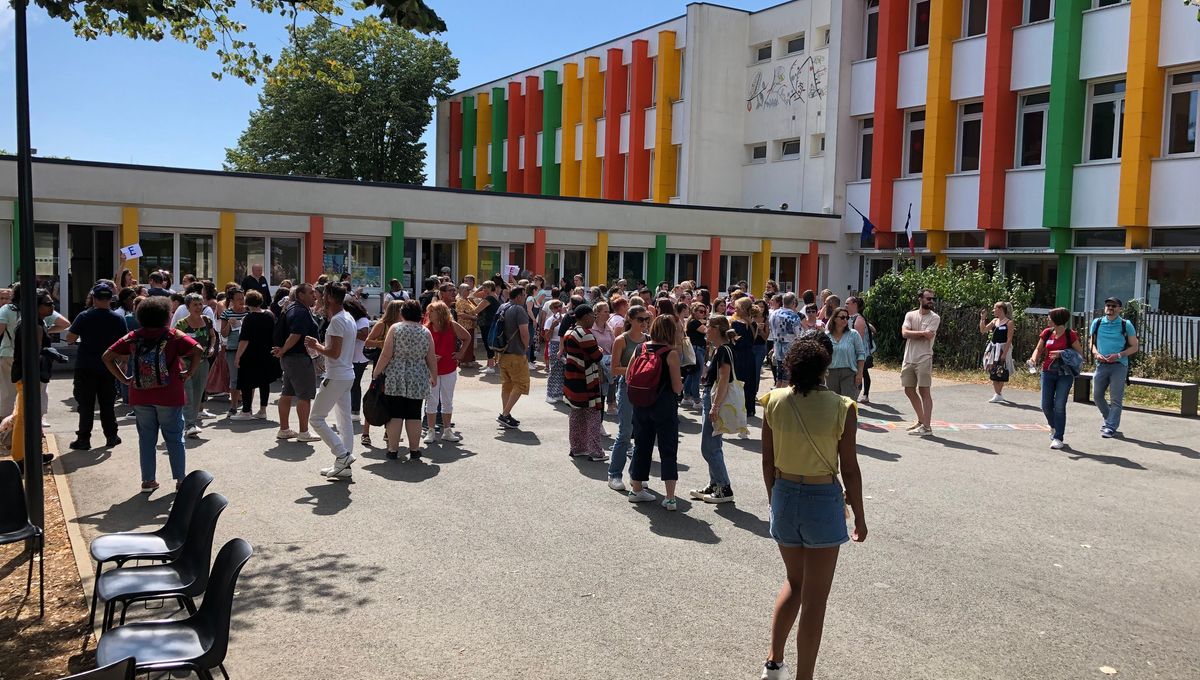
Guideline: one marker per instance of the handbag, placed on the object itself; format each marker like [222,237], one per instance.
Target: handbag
[731,416]
[687,354]
[374,406]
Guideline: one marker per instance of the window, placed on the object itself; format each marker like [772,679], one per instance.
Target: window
[758,153]
[817,146]
[970,128]
[789,149]
[1106,120]
[734,269]
[866,138]
[1038,10]
[196,255]
[1106,3]
[823,36]
[974,17]
[761,53]
[964,239]
[158,252]
[677,151]
[683,267]
[1031,130]
[1039,238]
[1100,238]
[1168,286]
[914,142]
[871,30]
[1176,238]
[629,265]
[1181,112]
[795,45]
[278,255]
[1042,273]
[784,273]
[918,24]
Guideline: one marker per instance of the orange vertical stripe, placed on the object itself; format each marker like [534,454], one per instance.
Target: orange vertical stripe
[888,141]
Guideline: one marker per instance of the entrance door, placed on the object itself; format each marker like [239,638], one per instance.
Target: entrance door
[92,256]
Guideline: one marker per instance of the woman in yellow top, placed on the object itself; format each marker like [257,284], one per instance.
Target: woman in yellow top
[807,431]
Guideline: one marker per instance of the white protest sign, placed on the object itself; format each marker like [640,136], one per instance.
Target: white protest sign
[131,252]
[511,270]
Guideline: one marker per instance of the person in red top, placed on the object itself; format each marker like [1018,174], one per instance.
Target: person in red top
[446,333]
[156,386]
[1056,386]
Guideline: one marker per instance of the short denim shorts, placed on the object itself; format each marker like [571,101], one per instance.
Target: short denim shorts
[808,515]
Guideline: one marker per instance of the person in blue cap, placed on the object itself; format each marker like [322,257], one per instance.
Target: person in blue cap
[95,329]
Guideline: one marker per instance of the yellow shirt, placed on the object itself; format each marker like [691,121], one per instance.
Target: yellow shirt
[824,413]
[462,305]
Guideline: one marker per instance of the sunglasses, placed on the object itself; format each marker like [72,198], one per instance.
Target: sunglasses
[641,319]
[1110,306]
[843,318]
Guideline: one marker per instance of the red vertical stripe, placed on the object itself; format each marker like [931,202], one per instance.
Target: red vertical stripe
[997,145]
[533,125]
[455,145]
[888,141]
[710,265]
[536,261]
[809,268]
[314,248]
[614,106]
[637,182]
[516,127]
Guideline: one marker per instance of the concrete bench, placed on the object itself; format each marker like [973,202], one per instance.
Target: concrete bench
[1190,391]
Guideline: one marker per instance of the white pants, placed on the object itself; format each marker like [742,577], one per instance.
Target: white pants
[334,396]
[442,394]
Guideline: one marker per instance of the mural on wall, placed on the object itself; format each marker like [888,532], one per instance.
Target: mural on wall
[801,80]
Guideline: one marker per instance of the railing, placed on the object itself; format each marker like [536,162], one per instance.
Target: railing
[1179,335]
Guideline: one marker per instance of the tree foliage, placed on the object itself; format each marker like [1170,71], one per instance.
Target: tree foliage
[347,102]
[209,24]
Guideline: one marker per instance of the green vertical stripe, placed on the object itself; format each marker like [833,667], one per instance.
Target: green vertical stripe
[656,269]
[551,121]
[469,116]
[499,134]
[1064,141]
[394,264]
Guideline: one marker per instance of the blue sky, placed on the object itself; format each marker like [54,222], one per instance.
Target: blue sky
[129,101]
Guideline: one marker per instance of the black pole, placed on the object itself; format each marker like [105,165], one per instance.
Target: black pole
[30,328]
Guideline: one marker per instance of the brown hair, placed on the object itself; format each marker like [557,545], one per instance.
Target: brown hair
[721,324]
[254,299]
[1061,316]
[664,330]
[391,313]
[437,316]
[410,310]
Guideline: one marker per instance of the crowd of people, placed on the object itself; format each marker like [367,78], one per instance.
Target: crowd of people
[630,353]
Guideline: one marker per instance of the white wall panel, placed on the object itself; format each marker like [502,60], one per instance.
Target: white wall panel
[906,192]
[1179,39]
[624,133]
[1032,50]
[914,73]
[1174,200]
[862,87]
[962,202]
[1105,42]
[1094,195]
[600,137]
[678,122]
[1024,194]
[624,240]
[858,194]
[74,213]
[970,58]
[650,130]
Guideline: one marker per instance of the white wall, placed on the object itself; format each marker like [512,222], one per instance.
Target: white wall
[1033,47]
[905,191]
[914,73]
[1024,195]
[1105,50]
[859,194]
[1179,37]
[862,88]
[962,202]
[1094,196]
[1174,199]
[970,59]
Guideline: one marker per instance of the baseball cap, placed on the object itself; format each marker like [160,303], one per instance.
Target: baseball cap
[102,291]
[1113,301]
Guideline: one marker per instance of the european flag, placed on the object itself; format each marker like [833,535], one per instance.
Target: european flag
[867,239]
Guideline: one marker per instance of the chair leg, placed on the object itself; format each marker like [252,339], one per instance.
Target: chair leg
[204,673]
[42,576]
[124,609]
[29,577]
[189,604]
[106,616]
[92,615]
[223,672]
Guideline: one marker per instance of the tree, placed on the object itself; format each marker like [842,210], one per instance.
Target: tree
[210,23]
[347,102]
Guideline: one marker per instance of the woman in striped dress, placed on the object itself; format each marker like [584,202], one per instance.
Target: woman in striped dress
[581,386]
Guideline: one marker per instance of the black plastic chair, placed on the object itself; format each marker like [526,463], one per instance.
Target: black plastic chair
[159,545]
[15,526]
[118,670]
[197,643]
[182,579]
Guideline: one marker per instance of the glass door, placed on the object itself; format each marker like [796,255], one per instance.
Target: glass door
[489,262]
[91,256]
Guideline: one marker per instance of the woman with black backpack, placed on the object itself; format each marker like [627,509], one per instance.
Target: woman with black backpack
[658,418]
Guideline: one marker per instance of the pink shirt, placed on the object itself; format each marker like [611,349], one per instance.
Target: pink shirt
[604,337]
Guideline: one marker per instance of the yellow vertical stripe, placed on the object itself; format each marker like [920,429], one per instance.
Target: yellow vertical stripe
[761,268]
[1143,122]
[483,140]
[941,120]
[129,234]
[468,253]
[598,260]
[572,110]
[225,232]
[666,92]
[592,109]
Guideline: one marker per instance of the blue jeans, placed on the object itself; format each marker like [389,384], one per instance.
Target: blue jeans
[150,421]
[193,389]
[1055,389]
[712,445]
[620,448]
[691,382]
[753,378]
[1110,377]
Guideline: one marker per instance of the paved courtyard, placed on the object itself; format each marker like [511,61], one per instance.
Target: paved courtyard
[989,555]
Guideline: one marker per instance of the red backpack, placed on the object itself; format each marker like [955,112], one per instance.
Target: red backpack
[644,378]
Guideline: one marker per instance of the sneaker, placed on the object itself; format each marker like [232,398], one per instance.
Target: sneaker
[80,445]
[231,413]
[506,421]
[699,494]
[393,455]
[744,434]
[573,454]
[722,494]
[430,437]
[1056,444]
[149,487]
[996,399]
[598,457]
[243,415]
[616,484]
[775,671]
[532,366]
[307,436]
[490,370]
[687,402]
[1107,433]
[112,441]
[206,415]
[551,400]
[643,496]
[341,466]
[917,430]
[286,434]
[670,504]
[260,414]
[414,455]
[192,431]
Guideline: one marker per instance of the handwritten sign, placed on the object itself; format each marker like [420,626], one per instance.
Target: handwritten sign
[131,252]
[512,270]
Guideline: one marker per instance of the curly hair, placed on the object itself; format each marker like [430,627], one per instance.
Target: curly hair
[807,359]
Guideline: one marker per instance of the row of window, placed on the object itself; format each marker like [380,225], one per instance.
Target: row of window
[974,19]
[1103,127]
[787,46]
[786,149]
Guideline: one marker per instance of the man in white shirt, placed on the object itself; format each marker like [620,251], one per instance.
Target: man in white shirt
[334,395]
[916,372]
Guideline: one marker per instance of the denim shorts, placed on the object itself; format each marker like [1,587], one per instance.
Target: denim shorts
[808,515]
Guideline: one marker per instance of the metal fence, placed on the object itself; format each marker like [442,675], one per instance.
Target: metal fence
[1178,335]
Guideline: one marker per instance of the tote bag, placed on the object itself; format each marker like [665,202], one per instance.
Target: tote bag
[374,408]
[731,417]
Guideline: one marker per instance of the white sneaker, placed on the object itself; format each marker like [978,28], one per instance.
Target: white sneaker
[242,415]
[307,436]
[532,366]
[918,430]
[670,504]
[430,437]
[284,434]
[206,414]
[780,673]
[643,496]
[925,431]
[192,431]
[449,435]
[260,414]
[551,400]
[341,466]
[996,399]
[616,484]
[1056,444]
[490,370]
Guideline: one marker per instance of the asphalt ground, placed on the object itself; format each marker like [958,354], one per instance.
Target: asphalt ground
[989,555]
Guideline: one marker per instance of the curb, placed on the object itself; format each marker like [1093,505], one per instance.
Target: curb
[83,559]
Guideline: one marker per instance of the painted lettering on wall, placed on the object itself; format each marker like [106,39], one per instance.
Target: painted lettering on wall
[795,83]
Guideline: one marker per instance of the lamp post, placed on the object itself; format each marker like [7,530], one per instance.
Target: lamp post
[31,394]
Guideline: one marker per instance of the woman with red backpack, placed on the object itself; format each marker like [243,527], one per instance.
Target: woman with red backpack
[654,383]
